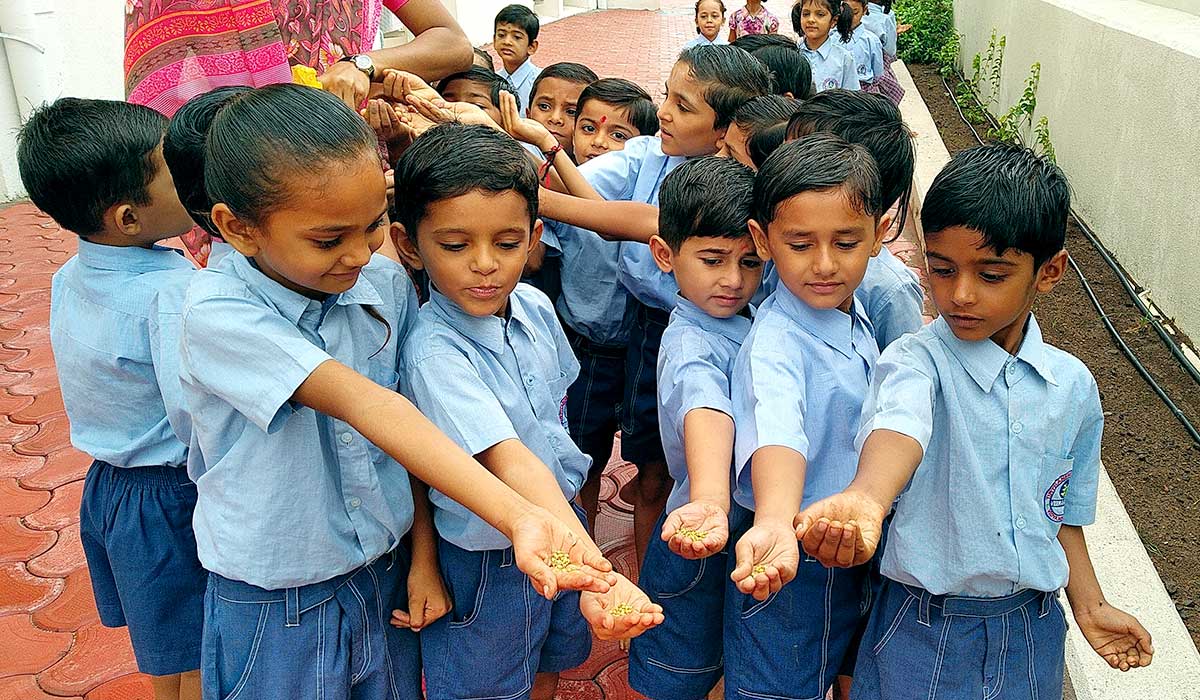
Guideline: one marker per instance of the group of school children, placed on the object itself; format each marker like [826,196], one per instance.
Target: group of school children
[323,474]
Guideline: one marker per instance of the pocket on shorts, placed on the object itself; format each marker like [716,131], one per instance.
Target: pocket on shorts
[751,607]
[467,591]
[894,624]
[692,574]
[1054,483]
[240,628]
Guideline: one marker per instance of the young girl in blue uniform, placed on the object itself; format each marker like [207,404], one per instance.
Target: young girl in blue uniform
[289,358]
[874,69]
[832,63]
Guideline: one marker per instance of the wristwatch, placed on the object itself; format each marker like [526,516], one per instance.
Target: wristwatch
[362,62]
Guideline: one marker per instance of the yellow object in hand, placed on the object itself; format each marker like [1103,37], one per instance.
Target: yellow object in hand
[304,75]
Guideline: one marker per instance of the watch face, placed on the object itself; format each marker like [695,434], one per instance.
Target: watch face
[363,63]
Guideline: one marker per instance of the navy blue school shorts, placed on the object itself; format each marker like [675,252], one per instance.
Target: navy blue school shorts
[323,641]
[682,658]
[500,632]
[594,399]
[934,647]
[135,524]
[640,440]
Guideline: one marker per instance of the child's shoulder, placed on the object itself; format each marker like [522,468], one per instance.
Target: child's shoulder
[1071,375]
[534,305]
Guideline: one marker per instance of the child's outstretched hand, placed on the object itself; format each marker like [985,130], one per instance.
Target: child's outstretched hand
[398,85]
[441,112]
[624,612]
[696,530]
[555,558]
[1116,636]
[767,558]
[521,129]
[427,599]
[842,530]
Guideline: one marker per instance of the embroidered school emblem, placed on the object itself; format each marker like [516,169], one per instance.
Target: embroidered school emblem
[1055,500]
[562,413]
[829,84]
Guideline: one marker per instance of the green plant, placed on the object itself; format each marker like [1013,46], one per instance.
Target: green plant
[947,57]
[932,28]
[1016,125]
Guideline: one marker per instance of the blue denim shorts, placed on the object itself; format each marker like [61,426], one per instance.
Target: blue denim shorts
[501,632]
[640,439]
[324,641]
[682,658]
[933,647]
[594,399]
[135,524]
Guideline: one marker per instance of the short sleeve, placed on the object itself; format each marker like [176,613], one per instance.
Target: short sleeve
[614,174]
[770,405]
[876,57]
[452,394]
[689,380]
[1080,506]
[897,314]
[550,238]
[247,355]
[900,399]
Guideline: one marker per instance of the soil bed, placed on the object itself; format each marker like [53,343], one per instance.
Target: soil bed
[1151,459]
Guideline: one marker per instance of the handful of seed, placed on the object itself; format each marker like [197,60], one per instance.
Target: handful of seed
[621,610]
[759,569]
[693,535]
[561,561]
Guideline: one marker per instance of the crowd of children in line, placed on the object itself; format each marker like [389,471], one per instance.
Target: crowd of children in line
[825,486]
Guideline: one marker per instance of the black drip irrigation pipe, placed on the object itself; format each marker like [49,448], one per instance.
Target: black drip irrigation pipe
[1129,289]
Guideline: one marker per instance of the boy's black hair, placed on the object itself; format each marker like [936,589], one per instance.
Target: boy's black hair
[265,142]
[708,197]
[696,12]
[451,160]
[635,102]
[570,72]
[78,158]
[870,120]
[817,163]
[183,150]
[843,17]
[886,5]
[764,142]
[522,17]
[1010,195]
[790,70]
[753,42]
[731,76]
[485,56]
[496,83]
[764,112]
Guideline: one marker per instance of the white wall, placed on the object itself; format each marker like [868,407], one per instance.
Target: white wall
[1121,87]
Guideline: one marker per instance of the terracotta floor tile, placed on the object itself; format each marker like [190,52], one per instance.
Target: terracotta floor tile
[61,559]
[99,655]
[40,359]
[18,501]
[52,435]
[60,467]
[17,466]
[135,686]
[74,608]
[21,592]
[19,543]
[27,649]
[44,406]
[31,302]
[61,511]
[34,338]
[26,688]
[32,384]
[12,433]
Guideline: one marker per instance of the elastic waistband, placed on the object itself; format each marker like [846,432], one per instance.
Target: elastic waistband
[150,476]
[965,606]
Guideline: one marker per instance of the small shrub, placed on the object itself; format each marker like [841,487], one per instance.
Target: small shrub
[932,28]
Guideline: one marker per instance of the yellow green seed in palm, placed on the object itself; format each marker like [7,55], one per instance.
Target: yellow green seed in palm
[621,610]
[759,569]
[561,561]
[693,535]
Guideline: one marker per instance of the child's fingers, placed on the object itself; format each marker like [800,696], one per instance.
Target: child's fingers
[847,549]
[592,557]
[416,614]
[541,577]
[401,618]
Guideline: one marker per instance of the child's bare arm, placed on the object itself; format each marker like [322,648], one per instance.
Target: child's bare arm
[700,528]
[427,596]
[613,221]
[768,555]
[394,425]
[1116,635]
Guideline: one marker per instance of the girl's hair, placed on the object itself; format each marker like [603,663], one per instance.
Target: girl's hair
[697,12]
[262,142]
[183,150]
[817,163]
[790,70]
[886,5]
[731,78]
[764,142]
[842,16]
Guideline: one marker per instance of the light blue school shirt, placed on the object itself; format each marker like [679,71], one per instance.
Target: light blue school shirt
[832,65]
[881,25]
[1003,437]
[864,46]
[591,302]
[287,496]
[635,174]
[694,365]
[484,380]
[701,40]
[890,295]
[522,79]
[109,365]
[799,381]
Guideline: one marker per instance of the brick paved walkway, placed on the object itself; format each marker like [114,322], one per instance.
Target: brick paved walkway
[51,642]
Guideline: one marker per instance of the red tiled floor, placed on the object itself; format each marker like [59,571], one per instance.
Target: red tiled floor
[17,501]
[26,688]
[132,687]
[99,654]
[21,543]
[28,649]
[64,557]
[61,511]
[22,592]
[74,608]
[61,467]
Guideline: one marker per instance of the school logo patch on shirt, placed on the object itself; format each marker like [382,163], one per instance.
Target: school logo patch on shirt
[562,413]
[829,84]
[1055,500]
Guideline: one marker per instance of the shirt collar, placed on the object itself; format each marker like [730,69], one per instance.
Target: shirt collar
[734,328]
[292,304]
[520,73]
[833,326]
[487,331]
[131,258]
[824,49]
[984,360]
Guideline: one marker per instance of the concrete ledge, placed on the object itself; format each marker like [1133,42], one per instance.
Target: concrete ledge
[931,152]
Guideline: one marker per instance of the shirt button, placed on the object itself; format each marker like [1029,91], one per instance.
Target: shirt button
[346,438]
[354,502]
[1020,522]
[1017,427]
[528,381]
[1012,369]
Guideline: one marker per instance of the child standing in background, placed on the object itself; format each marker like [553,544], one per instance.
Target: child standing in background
[710,18]
[516,40]
[832,63]
[754,18]
[874,70]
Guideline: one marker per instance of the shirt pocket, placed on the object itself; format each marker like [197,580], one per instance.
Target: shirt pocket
[1053,484]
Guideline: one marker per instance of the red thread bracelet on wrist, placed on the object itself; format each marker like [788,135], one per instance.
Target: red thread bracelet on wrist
[544,175]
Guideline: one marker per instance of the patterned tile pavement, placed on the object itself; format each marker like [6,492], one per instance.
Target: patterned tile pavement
[51,642]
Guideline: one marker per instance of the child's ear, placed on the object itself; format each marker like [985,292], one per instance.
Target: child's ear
[759,234]
[721,137]
[405,247]
[663,256]
[881,229]
[533,47]
[535,236]
[235,231]
[1051,272]
[122,219]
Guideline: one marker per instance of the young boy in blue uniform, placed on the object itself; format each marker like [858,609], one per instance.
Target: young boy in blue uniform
[96,168]
[515,38]
[990,438]
[802,373]
[489,364]
[705,242]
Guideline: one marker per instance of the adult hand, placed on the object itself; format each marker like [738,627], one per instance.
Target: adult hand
[346,82]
